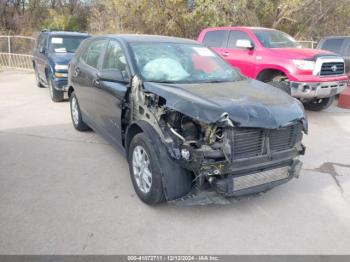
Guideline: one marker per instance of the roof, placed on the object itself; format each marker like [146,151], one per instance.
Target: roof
[133,38]
[335,37]
[238,27]
[67,33]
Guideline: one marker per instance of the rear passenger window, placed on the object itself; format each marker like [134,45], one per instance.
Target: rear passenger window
[237,35]
[93,52]
[333,45]
[214,38]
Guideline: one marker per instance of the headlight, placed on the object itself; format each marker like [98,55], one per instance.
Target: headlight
[61,67]
[304,64]
[61,75]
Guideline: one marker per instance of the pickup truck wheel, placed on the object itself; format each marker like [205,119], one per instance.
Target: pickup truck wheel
[282,85]
[37,80]
[56,96]
[75,113]
[319,104]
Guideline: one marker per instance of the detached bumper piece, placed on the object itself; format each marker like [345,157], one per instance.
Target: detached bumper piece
[256,182]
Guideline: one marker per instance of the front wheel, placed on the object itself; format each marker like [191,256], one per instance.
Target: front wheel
[319,104]
[56,96]
[75,113]
[145,170]
[280,83]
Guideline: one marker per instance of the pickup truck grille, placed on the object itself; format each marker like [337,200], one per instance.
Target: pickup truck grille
[252,142]
[332,68]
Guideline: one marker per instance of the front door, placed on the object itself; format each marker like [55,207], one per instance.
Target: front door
[243,59]
[110,94]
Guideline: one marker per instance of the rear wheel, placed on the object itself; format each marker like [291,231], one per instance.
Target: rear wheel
[75,112]
[319,104]
[37,79]
[56,95]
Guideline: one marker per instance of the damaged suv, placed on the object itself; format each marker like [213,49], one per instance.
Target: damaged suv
[187,120]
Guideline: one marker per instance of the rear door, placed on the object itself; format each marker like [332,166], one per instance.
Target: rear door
[85,77]
[243,59]
[110,94]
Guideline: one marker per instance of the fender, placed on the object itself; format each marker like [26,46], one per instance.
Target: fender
[176,180]
[273,67]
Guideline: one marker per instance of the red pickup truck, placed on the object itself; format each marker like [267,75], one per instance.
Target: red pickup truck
[311,75]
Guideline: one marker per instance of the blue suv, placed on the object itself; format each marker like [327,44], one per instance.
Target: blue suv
[52,53]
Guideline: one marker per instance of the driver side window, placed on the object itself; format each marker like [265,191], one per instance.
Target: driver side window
[92,54]
[235,36]
[115,58]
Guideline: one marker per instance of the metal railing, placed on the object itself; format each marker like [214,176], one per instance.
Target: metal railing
[15,52]
[308,44]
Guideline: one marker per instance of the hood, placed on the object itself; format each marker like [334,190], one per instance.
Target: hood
[61,58]
[249,103]
[299,53]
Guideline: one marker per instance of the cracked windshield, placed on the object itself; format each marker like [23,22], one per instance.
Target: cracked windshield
[181,63]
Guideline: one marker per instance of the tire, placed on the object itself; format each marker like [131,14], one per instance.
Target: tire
[169,180]
[152,192]
[37,80]
[282,85]
[77,120]
[319,104]
[56,96]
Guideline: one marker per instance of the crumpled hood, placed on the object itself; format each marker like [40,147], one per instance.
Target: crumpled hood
[61,58]
[298,53]
[249,103]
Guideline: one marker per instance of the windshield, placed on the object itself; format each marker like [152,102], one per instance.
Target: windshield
[181,63]
[275,39]
[65,44]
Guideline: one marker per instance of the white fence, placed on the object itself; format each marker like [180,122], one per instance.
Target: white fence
[308,44]
[15,52]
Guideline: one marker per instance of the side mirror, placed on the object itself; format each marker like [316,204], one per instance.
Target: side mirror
[112,75]
[243,43]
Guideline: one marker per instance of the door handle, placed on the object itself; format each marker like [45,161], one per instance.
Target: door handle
[225,53]
[96,82]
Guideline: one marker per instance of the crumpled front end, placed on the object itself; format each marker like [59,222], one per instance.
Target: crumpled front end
[234,160]
[249,149]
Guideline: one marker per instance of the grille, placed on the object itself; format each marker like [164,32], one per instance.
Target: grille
[284,138]
[332,68]
[248,143]
[257,142]
[247,181]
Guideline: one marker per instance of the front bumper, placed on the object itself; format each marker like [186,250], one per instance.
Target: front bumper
[257,181]
[312,90]
[60,84]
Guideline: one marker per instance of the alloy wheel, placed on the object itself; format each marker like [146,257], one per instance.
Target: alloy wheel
[141,169]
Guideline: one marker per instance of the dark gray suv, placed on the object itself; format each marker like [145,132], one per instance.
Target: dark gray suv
[339,45]
[186,119]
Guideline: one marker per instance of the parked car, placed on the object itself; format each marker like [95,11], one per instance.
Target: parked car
[51,55]
[186,119]
[311,75]
[339,45]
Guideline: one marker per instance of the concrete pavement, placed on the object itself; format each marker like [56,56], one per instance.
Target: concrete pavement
[66,192]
